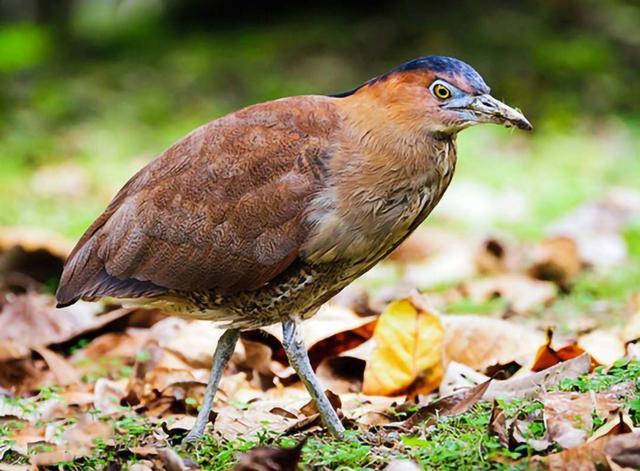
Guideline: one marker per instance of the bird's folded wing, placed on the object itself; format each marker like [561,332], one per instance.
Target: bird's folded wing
[220,210]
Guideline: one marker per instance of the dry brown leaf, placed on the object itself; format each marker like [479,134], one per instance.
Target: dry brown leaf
[596,227]
[459,377]
[480,341]
[311,408]
[622,450]
[233,422]
[568,415]
[455,404]
[29,258]
[195,342]
[547,356]
[342,374]
[603,346]
[171,461]
[556,259]
[263,458]
[108,394]
[33,320]
[520,292]
[492,257]
[64,373]
[12,350]
[529,385]
[513,431]
[408,351]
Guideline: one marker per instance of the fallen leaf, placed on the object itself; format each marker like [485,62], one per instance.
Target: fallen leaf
[107,395]
[264,458]
[481,342]
[33,320]
[623,450]
[568,415]
[596,227]
[311,408]
[517,429]
[455,404]
[622,423]
[520,292]
[342,374]
[195,342]
[556,259]
[492,257]
[603,346]
[29,258]
[173,462]
[546,356]
[408,351]
[63,371]
[459,377]
[529,385]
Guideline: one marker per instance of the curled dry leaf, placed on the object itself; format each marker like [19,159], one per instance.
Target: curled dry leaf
[455,404]
[569,415]
[310,408]
[556,259]
[529,385]
[547,356]
[513,431]
[459,376]
[408,350]
[493,257]
[622,423]
[171,461]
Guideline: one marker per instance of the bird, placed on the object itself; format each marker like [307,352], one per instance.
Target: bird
[261,216]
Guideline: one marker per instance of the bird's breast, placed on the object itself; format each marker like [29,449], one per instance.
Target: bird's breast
[363,216]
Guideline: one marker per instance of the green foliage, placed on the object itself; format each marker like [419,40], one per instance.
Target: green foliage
[22,46]
[621,371]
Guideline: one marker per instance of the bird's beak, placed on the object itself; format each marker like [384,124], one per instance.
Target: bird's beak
[486,109]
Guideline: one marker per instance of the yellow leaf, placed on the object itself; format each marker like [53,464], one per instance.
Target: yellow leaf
[408,352]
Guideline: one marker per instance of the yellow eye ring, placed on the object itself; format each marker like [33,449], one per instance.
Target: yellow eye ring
[441,92]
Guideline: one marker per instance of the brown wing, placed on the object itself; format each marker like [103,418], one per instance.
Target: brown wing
[222,209]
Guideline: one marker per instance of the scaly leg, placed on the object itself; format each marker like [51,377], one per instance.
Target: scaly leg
[299,360]
[224,350]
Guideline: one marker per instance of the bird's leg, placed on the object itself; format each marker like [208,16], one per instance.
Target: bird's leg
[224,350]
[299,360]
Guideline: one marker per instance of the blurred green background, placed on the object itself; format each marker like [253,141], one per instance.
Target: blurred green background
[91,90]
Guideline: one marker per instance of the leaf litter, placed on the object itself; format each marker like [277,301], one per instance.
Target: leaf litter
[104,382]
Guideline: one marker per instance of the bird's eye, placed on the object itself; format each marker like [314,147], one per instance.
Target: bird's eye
[441,92]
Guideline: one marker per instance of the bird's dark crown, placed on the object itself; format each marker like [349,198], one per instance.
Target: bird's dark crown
[440,65]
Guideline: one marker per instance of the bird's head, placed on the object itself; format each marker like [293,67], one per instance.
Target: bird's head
[438,94]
